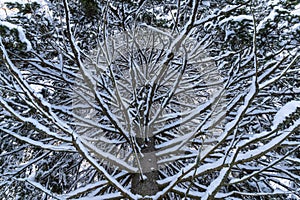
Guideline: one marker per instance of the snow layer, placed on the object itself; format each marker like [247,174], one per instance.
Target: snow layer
[284,112]
[21,32]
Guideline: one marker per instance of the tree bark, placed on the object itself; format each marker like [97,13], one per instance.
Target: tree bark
[145,183]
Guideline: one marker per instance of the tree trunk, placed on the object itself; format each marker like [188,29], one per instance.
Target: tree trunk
[145,184]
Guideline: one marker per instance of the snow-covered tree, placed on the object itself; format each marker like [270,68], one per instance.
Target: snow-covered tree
[150,100]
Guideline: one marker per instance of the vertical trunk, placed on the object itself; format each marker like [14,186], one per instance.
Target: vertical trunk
[147,184]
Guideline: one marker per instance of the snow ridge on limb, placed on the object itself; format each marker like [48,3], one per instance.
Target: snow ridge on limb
[21,33]
[40,104]
[190,143]
[81,148]
[285,112]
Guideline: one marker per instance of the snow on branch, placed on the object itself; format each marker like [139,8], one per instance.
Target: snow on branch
[21,33]
[285,112]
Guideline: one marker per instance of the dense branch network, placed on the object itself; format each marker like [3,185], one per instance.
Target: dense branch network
[198,102]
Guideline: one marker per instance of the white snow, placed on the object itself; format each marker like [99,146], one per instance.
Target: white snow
[91,160]
[273,2]
[6,12]
[107,156]
[284,112]
[296,11]
[62,147]
[32,121]
[265,148]
[206,3]
[238,18]
[117,195]
[21,32]
[216,183]
[83,189]
[270,17]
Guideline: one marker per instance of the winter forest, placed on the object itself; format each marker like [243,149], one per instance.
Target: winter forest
[150,99]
